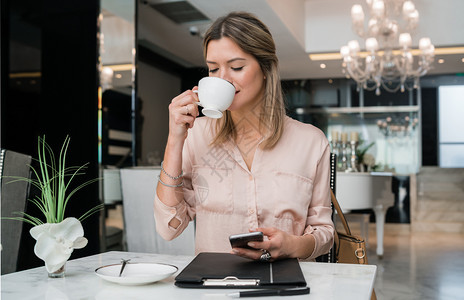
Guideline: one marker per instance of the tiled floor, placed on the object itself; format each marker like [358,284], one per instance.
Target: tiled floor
[414,266]
[418,266]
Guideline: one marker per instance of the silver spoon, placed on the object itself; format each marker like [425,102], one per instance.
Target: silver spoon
[124,262]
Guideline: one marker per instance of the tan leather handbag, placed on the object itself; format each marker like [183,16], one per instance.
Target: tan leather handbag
[349,248]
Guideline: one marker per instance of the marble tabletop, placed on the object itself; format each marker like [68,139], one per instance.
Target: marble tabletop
[327,281]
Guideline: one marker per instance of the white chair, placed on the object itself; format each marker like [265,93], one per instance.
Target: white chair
[138,193]
[111,186]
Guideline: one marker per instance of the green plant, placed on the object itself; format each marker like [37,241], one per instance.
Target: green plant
[362,150]
[53,179]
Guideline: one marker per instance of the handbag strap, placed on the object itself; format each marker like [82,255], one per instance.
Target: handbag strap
[340,213]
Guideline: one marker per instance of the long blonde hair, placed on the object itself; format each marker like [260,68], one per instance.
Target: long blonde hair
[253,37]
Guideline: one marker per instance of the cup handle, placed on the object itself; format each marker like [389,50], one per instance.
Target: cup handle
[198,103]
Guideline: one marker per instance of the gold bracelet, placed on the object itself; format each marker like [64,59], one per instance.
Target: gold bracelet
[170,176]
[170,185]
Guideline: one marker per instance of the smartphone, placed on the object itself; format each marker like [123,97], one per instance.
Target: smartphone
[241,240]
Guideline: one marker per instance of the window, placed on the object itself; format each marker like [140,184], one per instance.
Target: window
[451,126]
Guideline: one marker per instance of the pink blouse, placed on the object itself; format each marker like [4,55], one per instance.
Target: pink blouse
[287,188]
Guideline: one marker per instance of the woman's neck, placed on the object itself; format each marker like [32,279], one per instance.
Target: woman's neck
[249,133]
[247,123]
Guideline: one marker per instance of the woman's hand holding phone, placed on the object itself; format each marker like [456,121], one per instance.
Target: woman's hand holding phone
[278,243]
[242,240]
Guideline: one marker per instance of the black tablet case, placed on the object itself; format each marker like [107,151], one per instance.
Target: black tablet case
[284,273]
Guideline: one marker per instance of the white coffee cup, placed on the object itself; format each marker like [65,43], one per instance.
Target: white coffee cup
[216,95]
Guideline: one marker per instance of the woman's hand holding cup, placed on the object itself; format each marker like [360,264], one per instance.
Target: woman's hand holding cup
[182,114]
[215,94]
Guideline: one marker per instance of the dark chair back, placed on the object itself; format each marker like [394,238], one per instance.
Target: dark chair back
[330,257]
[13,199]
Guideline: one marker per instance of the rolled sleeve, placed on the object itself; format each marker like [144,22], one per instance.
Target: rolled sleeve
[165,214]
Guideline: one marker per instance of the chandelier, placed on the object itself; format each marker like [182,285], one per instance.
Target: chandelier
[388,61]
[398,126]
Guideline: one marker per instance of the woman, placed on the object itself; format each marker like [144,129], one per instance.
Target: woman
[252,170]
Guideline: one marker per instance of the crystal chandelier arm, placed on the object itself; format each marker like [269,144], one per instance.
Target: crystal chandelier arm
[357,18]
[378,9]
[354,70]
[391,89]
[371,85]
[352,61]
[410,15]
[425,58]
[424,66]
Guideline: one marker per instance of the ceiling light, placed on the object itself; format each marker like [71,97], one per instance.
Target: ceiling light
[363,54]
[299,111]
[25,74]
[123,67]
[441,60]
[325,56]
[389,60]
[106,78]
[323,66]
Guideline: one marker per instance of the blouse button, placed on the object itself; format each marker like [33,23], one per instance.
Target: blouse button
[250,177]
[173,211]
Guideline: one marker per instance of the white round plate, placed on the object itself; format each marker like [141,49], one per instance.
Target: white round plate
[136,273]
